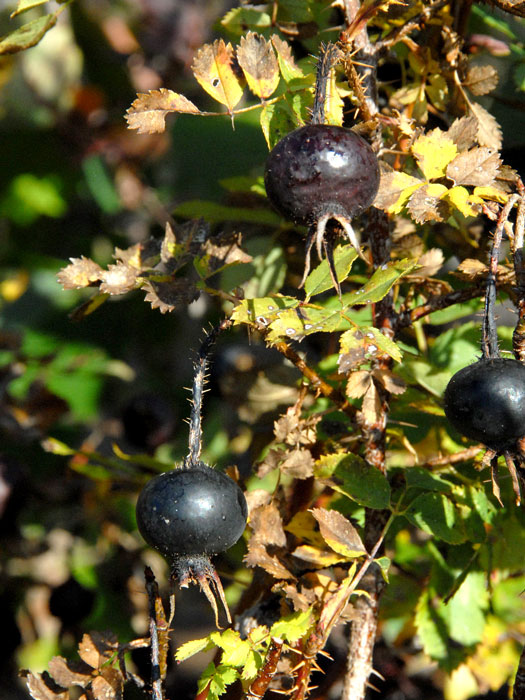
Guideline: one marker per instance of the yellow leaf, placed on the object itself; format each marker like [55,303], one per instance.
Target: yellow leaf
[398,207]
[459,198]
[214,69]
[333,105]
[491,193]
[148,112]
[259,64]
[433,152]
[394,190]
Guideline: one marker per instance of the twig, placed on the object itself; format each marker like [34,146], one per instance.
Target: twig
[317,382]
[489,332]
[436,303]
[157,692]
[518,337]
[461,456]
[518,692]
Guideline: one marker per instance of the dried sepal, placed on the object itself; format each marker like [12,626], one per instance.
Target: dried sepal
[81,272]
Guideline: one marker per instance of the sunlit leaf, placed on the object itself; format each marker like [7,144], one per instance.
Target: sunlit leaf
[214,68]
[380,283]
[477,167]
[320,280]
[287,65]
[259,64]
[339,533]
[27,35]
[24,5]
[433,152]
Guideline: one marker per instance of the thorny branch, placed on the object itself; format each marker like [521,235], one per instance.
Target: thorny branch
[157,636]
[436,303]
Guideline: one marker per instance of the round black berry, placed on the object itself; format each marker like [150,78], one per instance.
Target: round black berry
[320,170]
[486,402]
[191,512]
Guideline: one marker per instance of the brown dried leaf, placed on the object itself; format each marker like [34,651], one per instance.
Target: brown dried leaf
[42,687]
[272,460]
[257,59]
[506,179]
[67,673]
[148,112]
[258,556]
[338,532]
[118,279]
[371,408]
[358,383]
[299,464]
[215,69]
[392,185]
[140,256]
[267,526]
[426,204]
[464,132]
[514,7]
[477,167]
[391,382]
[431,262]
[168,296]
[82,272]
[97,647]
[481,80]
[225,251]
[292,430]
[472,268]
[489,130]
[257,498]
[348,361]
[108,686]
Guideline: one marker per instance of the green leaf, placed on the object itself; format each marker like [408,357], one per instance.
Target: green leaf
[320,280]
[185,651]
[380,283]
[368,336]
[27,35]
[24,5]
[235,651]
[262,311]
[352,476]
[216,679]
[254,663]
[464,614]
[293,627]
[424,479]
[217,213]
[436,514]
[276,121]
[240,20]
[431,629]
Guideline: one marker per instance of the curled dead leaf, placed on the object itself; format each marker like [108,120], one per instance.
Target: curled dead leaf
[148,112]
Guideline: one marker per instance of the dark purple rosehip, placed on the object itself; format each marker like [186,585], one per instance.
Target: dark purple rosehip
[188,512]
[321,169]
[486,402]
